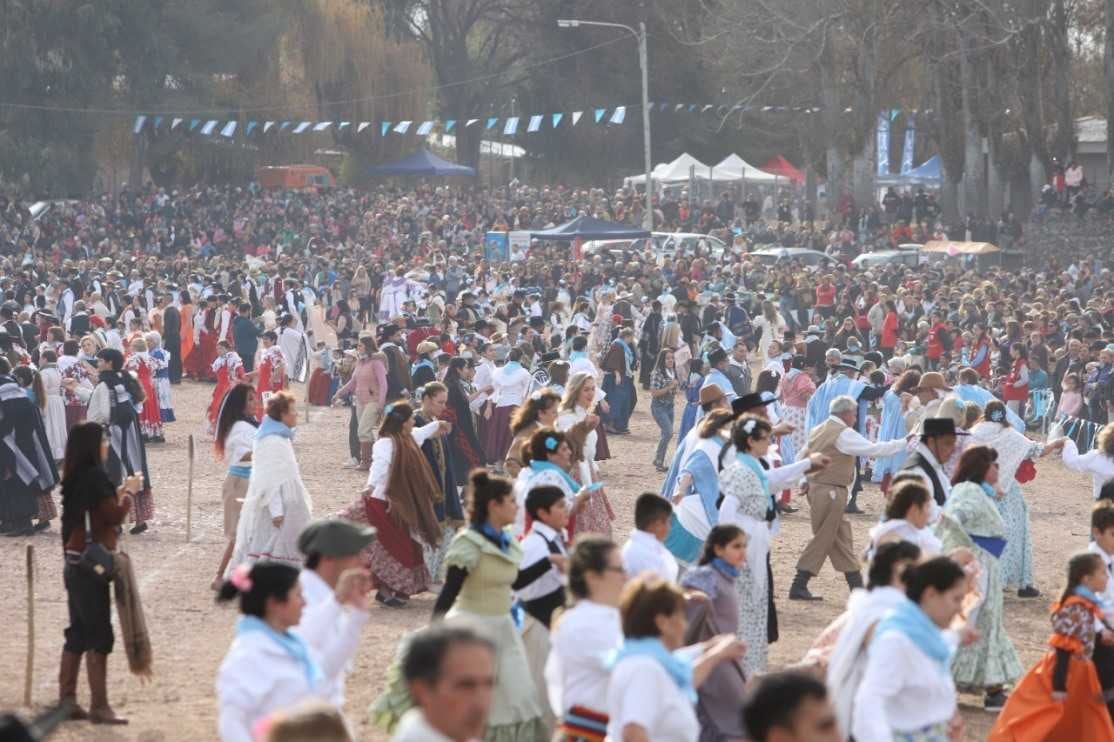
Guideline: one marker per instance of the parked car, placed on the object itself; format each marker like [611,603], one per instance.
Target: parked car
[667,244]
[811,258]
[910,258]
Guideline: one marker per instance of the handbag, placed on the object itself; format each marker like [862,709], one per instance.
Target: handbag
[1026,472]
[96,561]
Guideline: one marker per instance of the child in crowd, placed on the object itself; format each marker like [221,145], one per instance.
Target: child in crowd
[1102,544]
[645,549]
[1071,398]
[540,587]
[1060,697]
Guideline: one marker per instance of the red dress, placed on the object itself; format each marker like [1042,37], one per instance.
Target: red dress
[229,370]
[271,363]
[1012,393]
[150,418]
[208,350]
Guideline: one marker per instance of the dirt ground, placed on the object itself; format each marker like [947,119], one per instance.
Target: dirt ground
[190,634]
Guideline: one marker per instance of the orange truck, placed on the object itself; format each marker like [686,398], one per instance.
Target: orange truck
[295,177]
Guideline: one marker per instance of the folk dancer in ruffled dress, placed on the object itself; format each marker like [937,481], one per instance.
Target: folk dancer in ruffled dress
[53,406]
[76,372]
[229,370]
[398,503]
[1013,449]
[971,520]
[160,362]
[139,364]
[271,374]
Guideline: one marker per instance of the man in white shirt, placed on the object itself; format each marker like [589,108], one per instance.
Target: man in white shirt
[450,672]
[828,490]
[335,587]
[644,550]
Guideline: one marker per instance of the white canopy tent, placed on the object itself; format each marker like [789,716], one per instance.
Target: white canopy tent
[677,171]
[734,167]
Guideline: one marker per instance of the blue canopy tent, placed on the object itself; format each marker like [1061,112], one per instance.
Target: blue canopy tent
[927,173]
[590,228]
[422,162]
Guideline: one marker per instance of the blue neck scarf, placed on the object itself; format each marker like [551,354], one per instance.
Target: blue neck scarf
[677,665]
[500,538]
[540,466]
[725,569]
[291,643]
[512,365]
[576,355]
[755,466]
[628,356]
[909,619]
[988,490]
[271,426]
[1088,594]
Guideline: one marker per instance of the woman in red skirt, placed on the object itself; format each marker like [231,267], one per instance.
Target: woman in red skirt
[150,417]
[271,374]
[398,503]
[229,370]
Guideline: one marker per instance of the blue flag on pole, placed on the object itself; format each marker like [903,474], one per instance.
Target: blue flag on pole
[599,114]
[557,119]
[511,127]
[910,144]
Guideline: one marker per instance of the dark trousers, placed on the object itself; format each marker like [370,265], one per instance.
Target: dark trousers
[1104,663]
[90,608]
[247,356]
[173,344]
[353,433]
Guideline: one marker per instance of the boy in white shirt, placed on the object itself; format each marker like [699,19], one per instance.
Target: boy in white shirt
[644,550]
[1102,543]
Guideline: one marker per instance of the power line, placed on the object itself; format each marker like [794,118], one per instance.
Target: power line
[286,107]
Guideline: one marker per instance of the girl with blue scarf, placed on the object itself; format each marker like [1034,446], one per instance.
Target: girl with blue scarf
[268,667]
[907,693]
[654,681]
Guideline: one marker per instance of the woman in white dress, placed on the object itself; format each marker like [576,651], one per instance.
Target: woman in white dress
[511,384]
[995,430]
[54,406]
[577,672]
[578,406]
[748,503]
[277,506]
[771,328]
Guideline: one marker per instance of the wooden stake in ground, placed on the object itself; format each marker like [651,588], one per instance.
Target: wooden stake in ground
[30,625]
[189,491]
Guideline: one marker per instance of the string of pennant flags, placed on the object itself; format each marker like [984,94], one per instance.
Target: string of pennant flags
[1086,431]
[505,125]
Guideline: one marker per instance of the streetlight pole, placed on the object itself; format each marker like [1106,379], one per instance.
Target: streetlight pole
[644,66]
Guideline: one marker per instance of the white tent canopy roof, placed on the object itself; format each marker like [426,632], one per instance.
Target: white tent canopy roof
[674,172]
[734,167]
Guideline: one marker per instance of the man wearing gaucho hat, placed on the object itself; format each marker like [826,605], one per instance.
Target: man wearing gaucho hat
[936,444]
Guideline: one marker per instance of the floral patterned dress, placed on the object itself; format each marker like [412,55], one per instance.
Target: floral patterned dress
[1013,448]
[746,504]
[971,520]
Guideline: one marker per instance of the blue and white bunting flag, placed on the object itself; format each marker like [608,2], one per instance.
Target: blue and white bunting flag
[402,127]
[229,129]
[139,121]
[425,128]
[557,119]
[535,124]
[511,127]
[618,115]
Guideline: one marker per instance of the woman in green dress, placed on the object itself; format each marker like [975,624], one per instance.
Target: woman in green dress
[482,563]
[971,520]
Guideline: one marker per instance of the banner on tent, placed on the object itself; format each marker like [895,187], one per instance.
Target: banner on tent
[910,144]
[883,143]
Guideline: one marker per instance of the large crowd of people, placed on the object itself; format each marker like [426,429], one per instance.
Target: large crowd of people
[485,401]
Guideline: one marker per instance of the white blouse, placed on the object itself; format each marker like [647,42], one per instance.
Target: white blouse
[641,692]
[576,672]
[239,443]
[1096,463]
[902,690]
[587,467]
[256,678]
[383,453]
[511,386]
